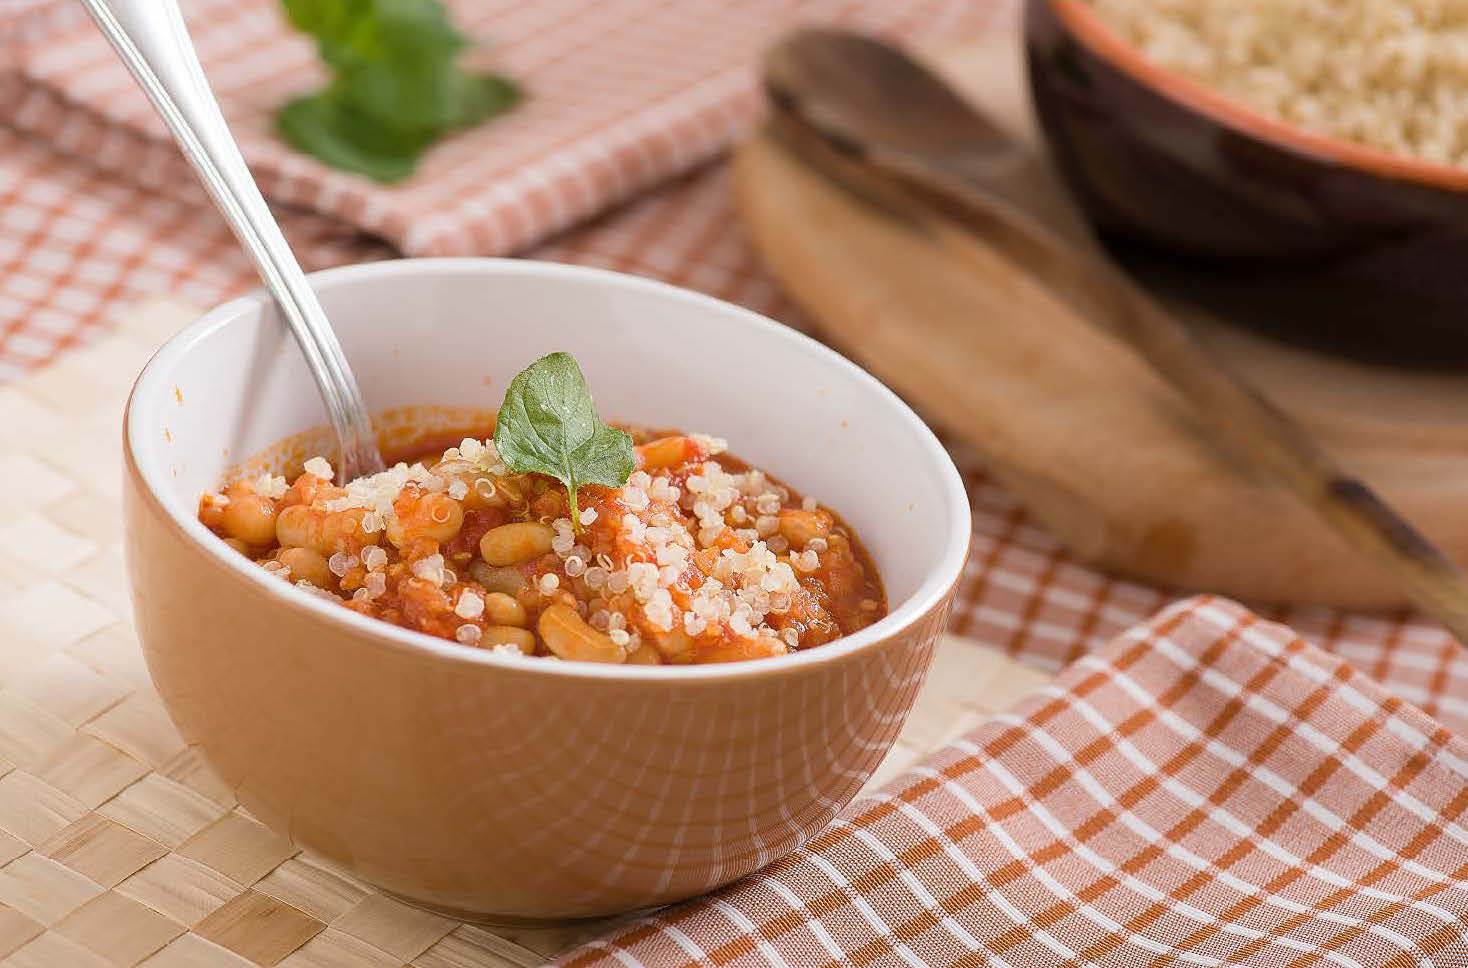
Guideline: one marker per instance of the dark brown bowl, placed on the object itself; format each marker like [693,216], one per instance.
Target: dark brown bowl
[1310,238]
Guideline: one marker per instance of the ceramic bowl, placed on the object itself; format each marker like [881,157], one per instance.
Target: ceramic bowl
[481,784]
[1305,236]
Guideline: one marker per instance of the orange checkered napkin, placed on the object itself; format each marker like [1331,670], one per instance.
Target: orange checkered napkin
[622,94]
[1206,790]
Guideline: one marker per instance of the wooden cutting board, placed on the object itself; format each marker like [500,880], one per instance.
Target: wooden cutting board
[1099,449]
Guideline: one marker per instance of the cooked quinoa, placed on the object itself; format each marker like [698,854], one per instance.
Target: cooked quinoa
[698,558]
[1391,74]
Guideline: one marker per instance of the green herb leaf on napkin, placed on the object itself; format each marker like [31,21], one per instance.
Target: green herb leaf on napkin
[396,85]
[548,425]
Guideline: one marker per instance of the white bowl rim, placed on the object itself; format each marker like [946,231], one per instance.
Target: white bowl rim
[151,382]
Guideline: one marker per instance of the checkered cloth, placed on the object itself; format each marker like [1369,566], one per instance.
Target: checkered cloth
[98,207]
[1206,790]
[622,94]
[96,213]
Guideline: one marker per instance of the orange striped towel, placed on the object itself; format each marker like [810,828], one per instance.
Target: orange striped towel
[1207,790]
[622,94]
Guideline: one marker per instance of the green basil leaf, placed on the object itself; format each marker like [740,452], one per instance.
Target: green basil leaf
[324,19]
[322,127]
[547,424]
[606,459]
[396,85]
[436,96]
[351,33]
[483,96]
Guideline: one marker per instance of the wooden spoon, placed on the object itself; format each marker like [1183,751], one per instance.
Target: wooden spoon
[888,129]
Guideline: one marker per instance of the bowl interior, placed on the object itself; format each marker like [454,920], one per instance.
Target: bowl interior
[453,332]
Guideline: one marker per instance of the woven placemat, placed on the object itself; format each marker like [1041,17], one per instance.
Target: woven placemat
[119,846]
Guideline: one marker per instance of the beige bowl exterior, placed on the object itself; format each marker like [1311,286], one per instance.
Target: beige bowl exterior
[505,791]
[486,785]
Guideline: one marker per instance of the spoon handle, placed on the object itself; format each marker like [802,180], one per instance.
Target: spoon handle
[152,40]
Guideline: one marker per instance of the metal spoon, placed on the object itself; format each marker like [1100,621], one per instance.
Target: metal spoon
[152,40]
[885,127]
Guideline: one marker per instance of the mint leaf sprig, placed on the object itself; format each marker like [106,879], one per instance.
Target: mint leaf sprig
[548,425]
[396,85]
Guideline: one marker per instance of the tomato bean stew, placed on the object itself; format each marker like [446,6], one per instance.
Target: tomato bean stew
[697,558]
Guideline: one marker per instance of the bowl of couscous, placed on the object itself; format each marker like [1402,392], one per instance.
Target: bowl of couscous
[485,694]
[1299,165]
